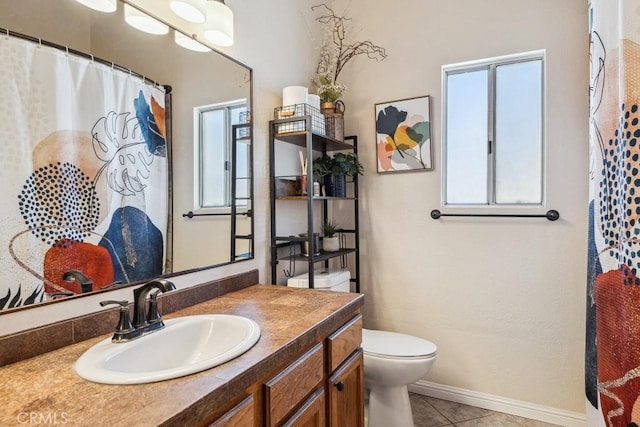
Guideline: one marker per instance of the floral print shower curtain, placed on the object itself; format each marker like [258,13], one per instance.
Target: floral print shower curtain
[613,288]
[83,169]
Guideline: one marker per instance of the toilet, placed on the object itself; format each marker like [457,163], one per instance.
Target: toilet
[392,360]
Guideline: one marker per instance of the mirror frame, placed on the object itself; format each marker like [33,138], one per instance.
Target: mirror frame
[172,214]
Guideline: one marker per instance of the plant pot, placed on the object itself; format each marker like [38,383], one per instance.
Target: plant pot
[331,244]
[335,185]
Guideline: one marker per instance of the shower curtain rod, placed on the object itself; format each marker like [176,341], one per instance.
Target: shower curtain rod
[67,49]
[551,215]
[190,214]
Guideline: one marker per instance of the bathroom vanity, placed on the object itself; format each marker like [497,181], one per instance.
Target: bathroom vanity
[306,369]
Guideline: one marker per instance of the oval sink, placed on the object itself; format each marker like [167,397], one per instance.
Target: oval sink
[185,345]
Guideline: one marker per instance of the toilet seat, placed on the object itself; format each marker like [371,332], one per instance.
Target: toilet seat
[394,345]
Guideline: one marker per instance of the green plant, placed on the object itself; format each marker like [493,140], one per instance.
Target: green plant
[323,166]
[340,164]
[347,164]
[330,228]
[328,90]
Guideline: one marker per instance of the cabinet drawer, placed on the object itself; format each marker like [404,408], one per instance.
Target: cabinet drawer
[287,389]
[344,341]
[311,413]
[240,415]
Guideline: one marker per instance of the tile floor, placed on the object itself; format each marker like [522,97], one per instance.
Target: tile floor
[431,412]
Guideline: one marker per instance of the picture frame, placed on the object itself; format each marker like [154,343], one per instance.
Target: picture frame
[403,135]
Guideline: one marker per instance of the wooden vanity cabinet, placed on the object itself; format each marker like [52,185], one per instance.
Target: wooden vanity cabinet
[322,387]
[288,389]
[345,382]
[312,413]
[346,393]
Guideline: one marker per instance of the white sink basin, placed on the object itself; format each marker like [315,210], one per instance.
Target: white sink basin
[185,346]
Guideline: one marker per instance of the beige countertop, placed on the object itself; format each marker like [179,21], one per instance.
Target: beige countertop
[46,390]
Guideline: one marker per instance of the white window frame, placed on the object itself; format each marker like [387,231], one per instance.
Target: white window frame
[197,158]
[478,65]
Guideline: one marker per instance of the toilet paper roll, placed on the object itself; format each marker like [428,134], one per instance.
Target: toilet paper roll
[292,95]
[313,100]
[318,117]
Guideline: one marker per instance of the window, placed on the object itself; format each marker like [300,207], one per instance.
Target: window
[493,131]
[213,132]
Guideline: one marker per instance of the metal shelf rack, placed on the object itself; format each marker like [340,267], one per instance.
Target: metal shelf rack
[313,144]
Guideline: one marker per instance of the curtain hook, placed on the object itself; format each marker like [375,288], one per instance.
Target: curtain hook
[67,50]
[39,42]
[92,58]
[7,30]
[112,66]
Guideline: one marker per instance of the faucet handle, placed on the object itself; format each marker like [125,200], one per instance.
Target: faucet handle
[153,315]
[124,323]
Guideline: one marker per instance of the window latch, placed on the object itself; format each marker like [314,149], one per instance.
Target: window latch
[490,146]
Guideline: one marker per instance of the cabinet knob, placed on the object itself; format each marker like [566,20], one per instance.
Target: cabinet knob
[339,386]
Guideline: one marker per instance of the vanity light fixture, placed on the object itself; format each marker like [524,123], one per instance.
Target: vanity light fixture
[190,10]
[189,42]
[100,5]
[218,28]
[143,22]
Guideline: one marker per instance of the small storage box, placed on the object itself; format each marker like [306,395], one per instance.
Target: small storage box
[336,280]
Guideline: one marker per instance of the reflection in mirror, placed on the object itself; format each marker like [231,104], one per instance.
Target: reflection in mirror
[148,130]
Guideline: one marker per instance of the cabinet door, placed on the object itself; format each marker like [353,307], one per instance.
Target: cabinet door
[346,393]
[311,413]
[240,415]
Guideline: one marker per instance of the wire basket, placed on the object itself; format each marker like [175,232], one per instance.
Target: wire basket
[334,125]
[318,125]
[244,118]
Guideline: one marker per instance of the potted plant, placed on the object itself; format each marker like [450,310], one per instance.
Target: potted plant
[347,164]
[323,168]
[342,166]
[334,170]
[330,241]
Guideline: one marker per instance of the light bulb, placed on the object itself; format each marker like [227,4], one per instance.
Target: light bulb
[100,5]
[143,22]
[218,28]
[189,43]
[190,10]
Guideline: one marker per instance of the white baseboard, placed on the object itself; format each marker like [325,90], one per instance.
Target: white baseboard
[500,404]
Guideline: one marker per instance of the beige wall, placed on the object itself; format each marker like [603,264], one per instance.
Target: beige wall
[504,299]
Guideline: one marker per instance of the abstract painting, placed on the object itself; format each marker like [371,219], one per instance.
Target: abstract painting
[403,135]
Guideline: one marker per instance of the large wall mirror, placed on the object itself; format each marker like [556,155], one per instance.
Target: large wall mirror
[198,110]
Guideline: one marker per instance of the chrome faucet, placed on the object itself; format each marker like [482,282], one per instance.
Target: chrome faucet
[145,319]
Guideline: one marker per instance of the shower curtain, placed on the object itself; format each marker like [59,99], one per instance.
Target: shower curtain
[83,172]
[613,288]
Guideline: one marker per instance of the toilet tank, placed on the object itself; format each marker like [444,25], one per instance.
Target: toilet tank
[329,280]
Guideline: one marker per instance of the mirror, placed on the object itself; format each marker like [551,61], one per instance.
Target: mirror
[209,192]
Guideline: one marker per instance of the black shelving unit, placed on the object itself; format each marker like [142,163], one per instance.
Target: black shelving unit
[241,134]
[315,145]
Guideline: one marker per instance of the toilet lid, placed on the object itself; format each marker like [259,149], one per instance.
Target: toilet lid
[385,343]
